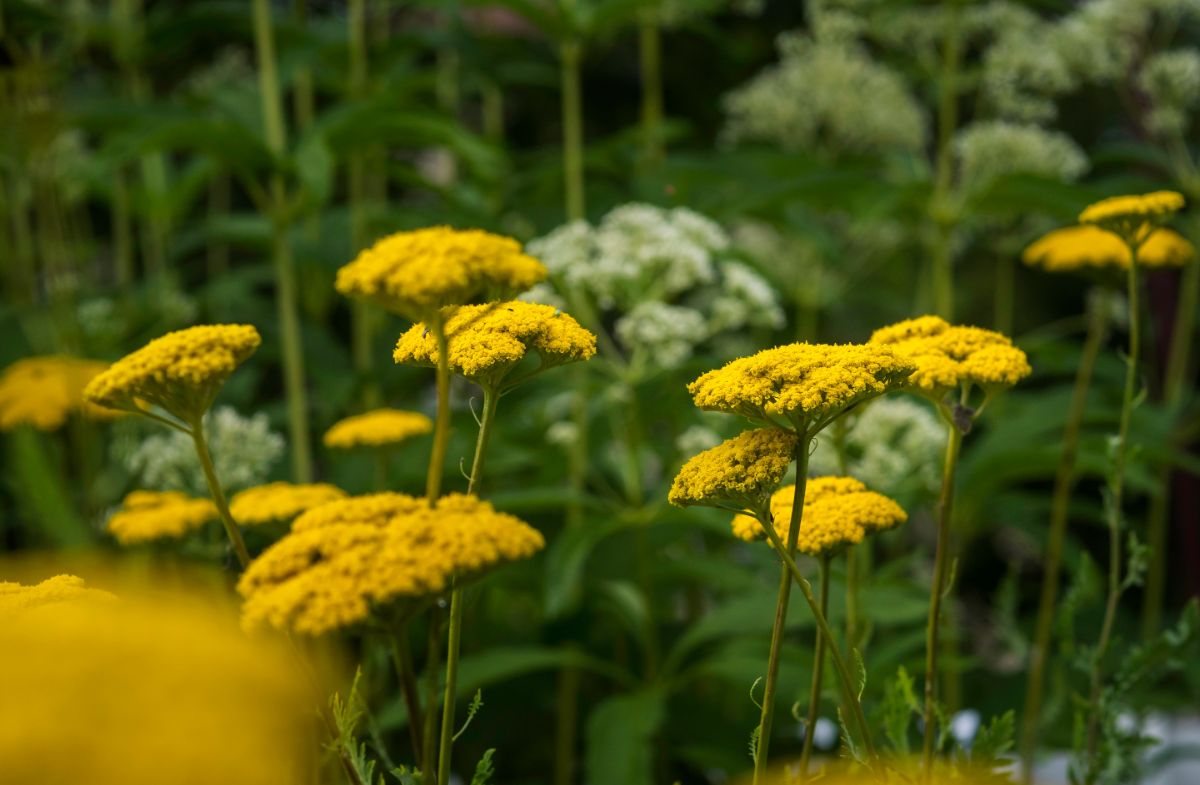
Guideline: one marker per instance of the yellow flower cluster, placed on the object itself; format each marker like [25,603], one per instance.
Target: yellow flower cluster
[139,693]
[1133,218]
[280,501]
[800,380]
[377,428]
[1082,247]
[181,372]
[486,341]
[151,515]
[415,273]
[838,511]
[15,598]
[346,558]
[950,356]
[44,391]
[740,472]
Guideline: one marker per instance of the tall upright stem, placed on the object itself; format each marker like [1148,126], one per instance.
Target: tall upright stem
[218,493]
[781,606]
[570,53]
[429,735]
[1005,282]
[362,322]
[650,59]
[1064,482]
[814,692]
[941,564]
[406,675]
[947,122]
[281,250]
[441,425]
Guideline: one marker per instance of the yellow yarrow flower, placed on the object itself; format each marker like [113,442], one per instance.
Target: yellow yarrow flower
[152,515]
[181,372]
[1082,247]
[385,552]
[809,384]
[739,473]
[838,512]
[415,273]
[377,428]
[1133,218]
[15,598]
[280,501]
[487,341]
[44,391]
[951,356]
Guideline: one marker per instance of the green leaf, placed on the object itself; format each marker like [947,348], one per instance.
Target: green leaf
[620,735]
[565,562]
[41,490]
[993,740]
[484,769]
[899,707]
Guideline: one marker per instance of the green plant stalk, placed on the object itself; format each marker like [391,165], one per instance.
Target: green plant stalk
[429,735]
[441,425]
[281,250]
[570,53]
[219,197]
[122,232]
[41,489]
[853,562]
[1005,281]
[446,745]
[566,704]
[947,120]
[941,564]
[778,629]
[814,692]
[196,429]
[1113,517]
[1064,483]
[406,675]
[361,324]
[650,59]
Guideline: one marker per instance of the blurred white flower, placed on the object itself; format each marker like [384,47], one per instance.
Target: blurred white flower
[987,150]
[744,298]
[661,334]
[695,439]
[563,433]
[1171,80]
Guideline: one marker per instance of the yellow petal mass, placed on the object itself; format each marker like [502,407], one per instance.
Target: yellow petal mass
[44,391]
[1082,247]
[949,356]
[377,428]
[280,501]
[740,472]
[152,515]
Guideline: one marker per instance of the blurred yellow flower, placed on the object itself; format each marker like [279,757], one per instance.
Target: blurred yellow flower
[377,428]
[487,341]
[343,560]
[1081,247]
[951,356]
[44,391]
[15,598]
[1133,218]
[806,383]
[739,473]
[415,273]
[838,511]
[280,501]
[181,372]
[152,515]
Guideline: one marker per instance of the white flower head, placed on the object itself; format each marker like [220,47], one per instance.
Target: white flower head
[664,334]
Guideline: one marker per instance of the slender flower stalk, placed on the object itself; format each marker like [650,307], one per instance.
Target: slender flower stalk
[196,428]
[441,425]
[650,59]
[570,54]
[406,675]
[814,693]
[947,121]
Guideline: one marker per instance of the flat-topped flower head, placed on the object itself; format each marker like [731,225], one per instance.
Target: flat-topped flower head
[69,589]
[1086,247]
[44,391]
[1133,218]
[377,428]
[415,273]
[153,515]
[487,341]
[808,384]
[950,356]
[280,501]
[384,553]
[181,372]
[739,473]
[838,512]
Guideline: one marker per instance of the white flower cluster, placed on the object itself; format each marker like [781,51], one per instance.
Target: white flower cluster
[660,275]
[1171,80]
[989,149]
[243,449]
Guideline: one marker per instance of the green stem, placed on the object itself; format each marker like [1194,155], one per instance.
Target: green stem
[441,426]
[406,675]
[570,53]
[566,717]
[218,493]
[429,736]
[778,629]
[1064,482]
[947,120]
[941,564]
[361,324]
[650,58]
[218,207]
[814,692]
[1005,281]
[122,232]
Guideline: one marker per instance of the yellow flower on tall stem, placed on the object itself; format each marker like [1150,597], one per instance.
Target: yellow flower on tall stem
[952,363]
[173,380]
[153,515]
[379,430]
[280,501]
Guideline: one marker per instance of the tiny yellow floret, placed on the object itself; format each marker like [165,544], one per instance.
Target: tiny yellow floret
[1082,247]
[280,501]
[1133,218]
[152,515]
[377,428]
[415,273]
[739,473]
[949,356]
[44,391]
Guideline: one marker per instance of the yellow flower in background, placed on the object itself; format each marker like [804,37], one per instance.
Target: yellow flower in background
[487,341]
[838,511]
[415,273]
[950,356]
[1133,218]
[280,501]
[805,382]
[44,391]
[181,372]
[346,559]
[1082,247]
[739,473]
[131,692]
[377,428]
[152,515]
[15,598]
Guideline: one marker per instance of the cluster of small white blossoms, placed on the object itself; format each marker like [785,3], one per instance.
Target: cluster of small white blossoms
[663,273]
[244,450]
[893,446]
[990,149]
[1171,82]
